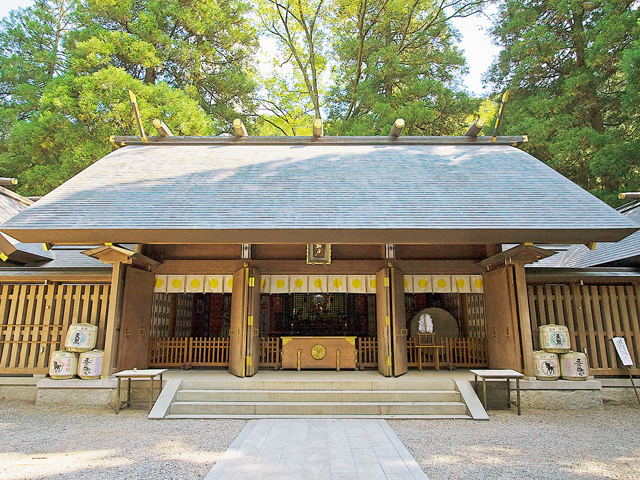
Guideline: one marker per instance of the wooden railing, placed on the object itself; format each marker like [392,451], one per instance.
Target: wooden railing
[189,352]
[456,352]
[34,320]
[214,352]
[367,352]
[270,352]
[593,314]
[205,352]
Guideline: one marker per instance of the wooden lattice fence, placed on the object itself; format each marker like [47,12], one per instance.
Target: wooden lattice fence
[456,352]
[593,314]
[34,320]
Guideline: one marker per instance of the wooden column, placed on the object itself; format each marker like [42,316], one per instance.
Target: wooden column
[526,337]
[503,337]
[113,320]
[506,300]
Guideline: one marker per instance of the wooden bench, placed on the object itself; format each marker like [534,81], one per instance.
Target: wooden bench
[138,375]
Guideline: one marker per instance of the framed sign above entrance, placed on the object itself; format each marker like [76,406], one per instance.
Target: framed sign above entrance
[319,254]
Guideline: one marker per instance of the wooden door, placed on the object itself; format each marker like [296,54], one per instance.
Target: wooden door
[244,331]
[392,332]
[503,335]
[398,322]
[253,322]
[135,321]
[383,314]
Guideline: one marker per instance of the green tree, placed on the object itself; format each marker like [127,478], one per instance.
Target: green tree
[562,61]
[77,115]
[388,58]
[284,109]
[289,101]
[397,58]
[31,55]
[204,47]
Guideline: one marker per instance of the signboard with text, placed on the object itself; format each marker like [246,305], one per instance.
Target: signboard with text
[623,351]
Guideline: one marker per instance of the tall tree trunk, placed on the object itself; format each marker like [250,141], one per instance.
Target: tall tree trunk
[150,76]
[588,90]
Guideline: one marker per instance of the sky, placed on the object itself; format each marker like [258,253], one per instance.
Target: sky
[479,49]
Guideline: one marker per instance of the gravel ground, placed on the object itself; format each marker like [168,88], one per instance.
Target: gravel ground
[64,443]
[539,444]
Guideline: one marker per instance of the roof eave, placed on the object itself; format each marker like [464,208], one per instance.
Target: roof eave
[314,235]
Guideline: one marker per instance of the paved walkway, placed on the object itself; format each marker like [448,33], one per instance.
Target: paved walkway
[322,449]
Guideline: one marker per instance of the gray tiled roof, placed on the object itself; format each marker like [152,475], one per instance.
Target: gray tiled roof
[323,187]
[579,256]
[62,257]
[11,204]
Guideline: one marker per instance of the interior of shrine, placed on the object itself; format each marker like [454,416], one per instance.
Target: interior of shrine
[204,315]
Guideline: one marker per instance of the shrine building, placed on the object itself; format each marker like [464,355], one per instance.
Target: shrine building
[316,252]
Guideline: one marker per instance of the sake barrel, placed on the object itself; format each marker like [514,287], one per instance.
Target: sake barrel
[555,338]
[81,337]
[63,365]
[573,366]
[90,364]
[546,365]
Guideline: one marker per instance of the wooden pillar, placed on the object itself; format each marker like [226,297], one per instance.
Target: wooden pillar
[503,336]
[113,320]
[526,337]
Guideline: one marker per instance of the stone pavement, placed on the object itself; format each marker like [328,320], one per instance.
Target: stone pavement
[317,449]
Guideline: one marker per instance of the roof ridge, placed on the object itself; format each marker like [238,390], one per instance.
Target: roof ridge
[513,140]
[16,196]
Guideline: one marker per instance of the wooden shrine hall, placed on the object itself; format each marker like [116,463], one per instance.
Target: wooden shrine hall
[317,252]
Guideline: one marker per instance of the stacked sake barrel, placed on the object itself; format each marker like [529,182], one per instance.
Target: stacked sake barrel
[79,355]
[554,339]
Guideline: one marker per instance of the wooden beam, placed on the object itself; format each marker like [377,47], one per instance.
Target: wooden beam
[299,267]
[505,97]
[318,128]
[136,112]
[474,128]
[8,181]
[115,254]
[238,128]
[396,129]
[14,196]
[524,253]
[522,299]
[162,128]
[113,320]
[101,276]
[629,195]
[80,236]
[325,140]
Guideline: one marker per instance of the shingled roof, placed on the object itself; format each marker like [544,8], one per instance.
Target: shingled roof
[327,193]
[625,253]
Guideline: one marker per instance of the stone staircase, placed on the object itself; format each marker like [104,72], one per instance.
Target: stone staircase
[302,397]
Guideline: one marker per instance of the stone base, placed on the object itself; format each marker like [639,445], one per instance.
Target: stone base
[560,399]
[18,389]
[89,393]
[77,392]
[560,394]
[618,391]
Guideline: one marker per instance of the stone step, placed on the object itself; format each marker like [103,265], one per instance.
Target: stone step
[317,396]
[250,417]
[319,408]
[312,384]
